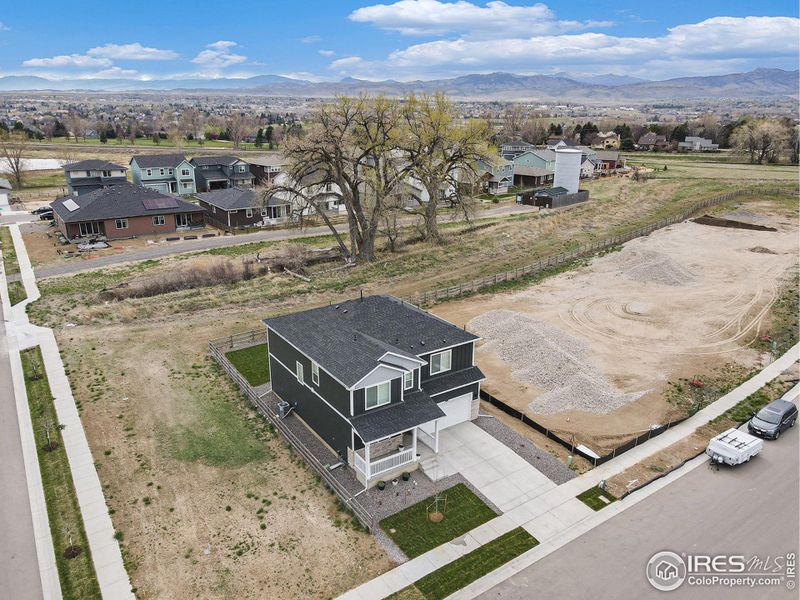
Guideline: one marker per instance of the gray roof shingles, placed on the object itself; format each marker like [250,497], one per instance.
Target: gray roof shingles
[348,339]
[150,161]
[453,380]
[93,165]
[214,160]
[416,409]
[123,200]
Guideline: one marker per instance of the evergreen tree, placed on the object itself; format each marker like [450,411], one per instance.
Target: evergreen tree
[259,138]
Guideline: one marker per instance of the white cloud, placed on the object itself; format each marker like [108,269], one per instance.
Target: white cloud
[131,52]
[326,52]
[112,73]
[495,19]
[219,55]
[346,62]
[718,43]
[310,39]
[68,60]
[4,27]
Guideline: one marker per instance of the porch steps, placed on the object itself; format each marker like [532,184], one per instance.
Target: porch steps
[430,466]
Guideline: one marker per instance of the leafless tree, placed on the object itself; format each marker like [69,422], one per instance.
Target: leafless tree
[513,120]
[238,126]
[76,125]
[13,147]
[49,127]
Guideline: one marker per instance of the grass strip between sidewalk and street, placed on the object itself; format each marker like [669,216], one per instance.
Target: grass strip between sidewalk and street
[413,531]
[76,575]
[461,572]
[593,498]
[16,292]
[9,254]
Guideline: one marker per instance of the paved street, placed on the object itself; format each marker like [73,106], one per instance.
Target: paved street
[19,567]
[752,510]
[173,248]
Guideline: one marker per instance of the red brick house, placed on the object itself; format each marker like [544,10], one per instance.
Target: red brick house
[124,211]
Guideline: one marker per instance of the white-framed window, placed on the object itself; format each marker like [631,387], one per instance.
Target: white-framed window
[89,228]
[170,171]
[161,171]
[378,395]
[264,212]
[106,173]
[149,172]
[408,380]
[440,362]
[158,220]
[248,213]
[186,184]
[185,172]
[121,223]
[299,372]
[241,168]
[213,209]
[233,212]
[315,373]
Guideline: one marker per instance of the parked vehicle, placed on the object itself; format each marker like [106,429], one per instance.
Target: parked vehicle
[774,418]
[42,209]
[46,215]
[733,447]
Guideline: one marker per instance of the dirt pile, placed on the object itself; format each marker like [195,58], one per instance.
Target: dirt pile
[550,359]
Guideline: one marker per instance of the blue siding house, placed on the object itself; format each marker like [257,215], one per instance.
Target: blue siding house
[165,173]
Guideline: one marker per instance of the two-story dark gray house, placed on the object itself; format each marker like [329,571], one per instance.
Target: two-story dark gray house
[90,175]
[373,378]
[221,172]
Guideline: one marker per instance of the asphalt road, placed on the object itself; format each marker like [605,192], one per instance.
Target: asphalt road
[182,247]
[19,567]
[751,510]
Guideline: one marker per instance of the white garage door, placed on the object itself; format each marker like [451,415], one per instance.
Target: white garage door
[456,410]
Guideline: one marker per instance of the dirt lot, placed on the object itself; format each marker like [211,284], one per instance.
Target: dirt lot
[210,502]
[591,351]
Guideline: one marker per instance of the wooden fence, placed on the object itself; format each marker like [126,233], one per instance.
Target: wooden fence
[549,262]
[217,348]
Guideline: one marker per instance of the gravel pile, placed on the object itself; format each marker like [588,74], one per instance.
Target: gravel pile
[550,359]
[647,266]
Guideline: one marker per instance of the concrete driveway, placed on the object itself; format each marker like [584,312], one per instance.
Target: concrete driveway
[500,474]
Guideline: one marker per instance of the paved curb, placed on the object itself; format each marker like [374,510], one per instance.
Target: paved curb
[45,554]
[106,555]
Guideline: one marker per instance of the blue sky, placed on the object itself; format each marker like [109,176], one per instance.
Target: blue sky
[395,39]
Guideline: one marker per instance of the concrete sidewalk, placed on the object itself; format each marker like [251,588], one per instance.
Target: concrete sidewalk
[556,516]
[109,567]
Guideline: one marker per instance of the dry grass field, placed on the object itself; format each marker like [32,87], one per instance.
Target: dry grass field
[176,445]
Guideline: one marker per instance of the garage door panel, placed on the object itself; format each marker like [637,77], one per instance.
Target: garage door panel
[456,410]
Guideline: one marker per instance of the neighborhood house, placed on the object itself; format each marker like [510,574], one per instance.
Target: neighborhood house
[220,172]
[89,175]
[373,378]
[167,173]
[123,211]
[235,208]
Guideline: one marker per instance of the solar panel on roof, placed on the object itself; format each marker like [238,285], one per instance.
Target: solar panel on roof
[71,205]
[159,203]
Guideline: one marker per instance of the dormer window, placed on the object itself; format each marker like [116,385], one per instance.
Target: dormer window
[378,395]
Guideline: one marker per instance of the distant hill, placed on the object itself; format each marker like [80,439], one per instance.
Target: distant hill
[490,86]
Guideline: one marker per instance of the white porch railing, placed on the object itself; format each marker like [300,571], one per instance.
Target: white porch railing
[382,465]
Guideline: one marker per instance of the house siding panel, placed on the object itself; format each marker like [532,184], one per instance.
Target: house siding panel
[461,359]
[330,389]
[359,401]
[330,426]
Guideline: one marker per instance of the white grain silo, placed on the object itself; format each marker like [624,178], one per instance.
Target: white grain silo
[568,169]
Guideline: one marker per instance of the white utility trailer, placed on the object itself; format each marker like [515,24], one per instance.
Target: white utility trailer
[734,447]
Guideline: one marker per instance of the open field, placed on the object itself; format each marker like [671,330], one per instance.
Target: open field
[591,351]
[176,443]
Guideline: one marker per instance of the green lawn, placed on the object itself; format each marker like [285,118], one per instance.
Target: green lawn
[415,534]
[591,498]
[252,363]
[9,254]
[470,567]
[77,576]
[16,292]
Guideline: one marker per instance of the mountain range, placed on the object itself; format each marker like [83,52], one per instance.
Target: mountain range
[759,83]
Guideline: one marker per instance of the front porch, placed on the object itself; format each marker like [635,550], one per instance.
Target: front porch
[388,457]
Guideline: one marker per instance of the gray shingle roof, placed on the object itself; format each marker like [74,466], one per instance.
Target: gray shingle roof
[214,160]
[531,171]
[123,200]
[453,380]
[416,409]
[93,165]
[348,339]
[237,198]
[209,174]
[150,161]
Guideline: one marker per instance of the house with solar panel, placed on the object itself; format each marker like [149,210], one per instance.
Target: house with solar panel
[374,379]
[124,211]
[89,175]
